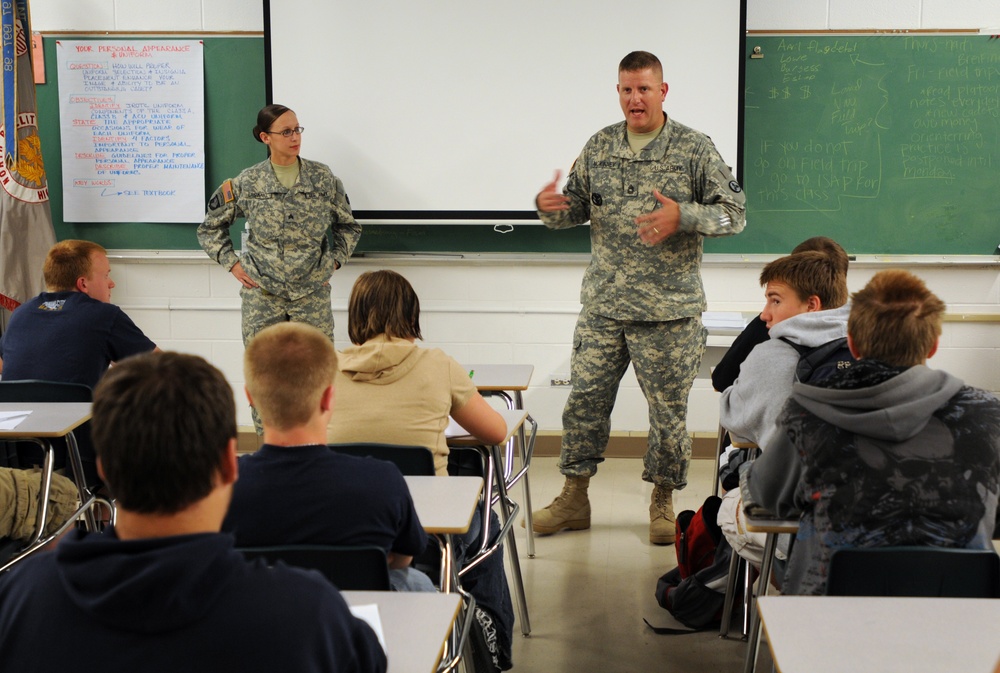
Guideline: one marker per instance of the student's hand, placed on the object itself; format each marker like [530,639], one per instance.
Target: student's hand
[657,226]
[242,276]
[550,199]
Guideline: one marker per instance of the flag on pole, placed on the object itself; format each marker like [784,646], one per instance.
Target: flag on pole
[26,232]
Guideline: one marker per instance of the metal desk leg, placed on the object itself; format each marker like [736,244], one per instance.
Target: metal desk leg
[76,464]
[748,570]
[44,489]
[458,644]
[515,564]
[753,642]
[517,402]
[525,460]
[727,609]
[508,514]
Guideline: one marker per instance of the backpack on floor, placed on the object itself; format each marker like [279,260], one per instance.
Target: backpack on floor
[695,591]
[819,362]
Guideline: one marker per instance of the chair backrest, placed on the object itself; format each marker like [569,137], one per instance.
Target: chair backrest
[362,568]
[466,461]
[411,460]
[33,390]
[914,571]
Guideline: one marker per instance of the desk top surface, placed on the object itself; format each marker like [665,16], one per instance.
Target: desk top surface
[415,625]
[501,377]
[458,436]
[830,634]
[47,419]
[445,505]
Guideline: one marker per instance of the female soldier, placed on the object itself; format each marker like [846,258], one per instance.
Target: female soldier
[290,204]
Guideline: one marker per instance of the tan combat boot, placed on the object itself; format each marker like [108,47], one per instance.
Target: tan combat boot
[570,509]
[661,516]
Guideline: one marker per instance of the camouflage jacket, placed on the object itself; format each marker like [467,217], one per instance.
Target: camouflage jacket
[611,186]
[289,252]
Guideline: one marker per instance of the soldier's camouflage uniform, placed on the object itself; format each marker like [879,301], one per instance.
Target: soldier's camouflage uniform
[642,303]
[297,237]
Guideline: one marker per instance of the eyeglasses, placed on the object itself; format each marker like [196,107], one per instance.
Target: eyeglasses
[287,133]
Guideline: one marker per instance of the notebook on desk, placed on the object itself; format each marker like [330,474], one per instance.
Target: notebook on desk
[368,613]
[454,429]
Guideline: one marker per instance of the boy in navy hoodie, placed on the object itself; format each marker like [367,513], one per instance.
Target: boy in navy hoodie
[163,590]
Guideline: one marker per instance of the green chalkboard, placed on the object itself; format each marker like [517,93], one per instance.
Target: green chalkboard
[886,143]
[234,91]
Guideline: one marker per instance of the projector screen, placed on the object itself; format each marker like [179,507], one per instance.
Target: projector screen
[460,111]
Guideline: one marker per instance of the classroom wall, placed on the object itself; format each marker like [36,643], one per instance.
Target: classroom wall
[503,311]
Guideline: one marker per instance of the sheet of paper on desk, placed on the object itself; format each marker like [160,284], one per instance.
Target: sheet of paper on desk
[723,320]
[454,429]
[11,419]
[369,614]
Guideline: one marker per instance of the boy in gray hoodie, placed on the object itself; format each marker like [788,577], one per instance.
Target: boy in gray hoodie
[805,296]
[806,293]
[887,452]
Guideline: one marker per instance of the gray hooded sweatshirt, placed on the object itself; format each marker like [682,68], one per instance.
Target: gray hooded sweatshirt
[750,406]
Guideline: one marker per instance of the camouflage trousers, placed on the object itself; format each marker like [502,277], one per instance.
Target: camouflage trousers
[666,357]
[262,309]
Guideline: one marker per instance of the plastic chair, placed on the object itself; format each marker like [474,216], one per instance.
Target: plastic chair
[914,571]
[362,568]
[415,461]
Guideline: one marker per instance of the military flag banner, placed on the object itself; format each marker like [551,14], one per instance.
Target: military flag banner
[26,232]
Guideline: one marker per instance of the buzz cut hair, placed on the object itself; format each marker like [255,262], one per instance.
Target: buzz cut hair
[287,368]
[68,261]
[641,60]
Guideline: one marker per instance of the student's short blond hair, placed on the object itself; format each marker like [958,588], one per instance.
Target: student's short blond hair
[895,319]
[67,261]
[287,367]
[807,274]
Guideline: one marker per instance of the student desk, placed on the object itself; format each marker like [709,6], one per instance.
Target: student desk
[773,528]
[445,506]
[46,421]
[827,634]
[416,626]
[515,419]
[502,381]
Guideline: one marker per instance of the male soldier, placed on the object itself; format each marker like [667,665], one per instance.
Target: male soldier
[163,590]
[652,189]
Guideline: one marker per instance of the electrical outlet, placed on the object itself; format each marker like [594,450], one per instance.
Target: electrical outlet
[560,380]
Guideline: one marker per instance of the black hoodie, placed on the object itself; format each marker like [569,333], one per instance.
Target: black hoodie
[184,603]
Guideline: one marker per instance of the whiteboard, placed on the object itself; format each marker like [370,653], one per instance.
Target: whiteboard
[461,110]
